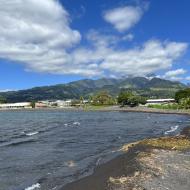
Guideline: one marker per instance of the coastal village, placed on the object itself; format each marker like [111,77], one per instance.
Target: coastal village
[68,103]
[103,100]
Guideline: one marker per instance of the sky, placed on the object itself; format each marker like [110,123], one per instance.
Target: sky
[50,42]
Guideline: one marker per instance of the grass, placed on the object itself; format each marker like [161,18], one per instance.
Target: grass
[164,106]
[95,107]
[172,143]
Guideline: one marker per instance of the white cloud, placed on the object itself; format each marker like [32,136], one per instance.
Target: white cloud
[188,78]
[175,73]
[152,56]
[38,35]
[128,37]
[123,18]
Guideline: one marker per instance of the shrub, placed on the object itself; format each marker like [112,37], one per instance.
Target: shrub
[182,94]
[128,98]
[185,103]
[103,98]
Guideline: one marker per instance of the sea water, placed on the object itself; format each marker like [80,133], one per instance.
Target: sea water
[44,150]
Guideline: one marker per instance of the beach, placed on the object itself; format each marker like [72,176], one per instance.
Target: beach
[144,165]
[108,108]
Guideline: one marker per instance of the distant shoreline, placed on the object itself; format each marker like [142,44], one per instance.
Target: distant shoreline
[108,108]
[151,110]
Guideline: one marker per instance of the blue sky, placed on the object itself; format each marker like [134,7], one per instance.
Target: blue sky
[50,42]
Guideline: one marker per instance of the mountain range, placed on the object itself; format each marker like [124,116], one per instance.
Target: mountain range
[150,88]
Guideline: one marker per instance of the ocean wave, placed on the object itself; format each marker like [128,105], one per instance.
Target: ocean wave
[33,187]
[70,164]
[32,133]
[15,143]
[76,123]
[72,124]
[172,129]
[98,161]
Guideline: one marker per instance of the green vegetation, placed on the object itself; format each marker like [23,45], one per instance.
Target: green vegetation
[90,107]
[185,103]
[172,106]
[76,103]
[128,98]
[2,100]
[33,104]
[182,94]
[175,143]
[182,98]
[103,98]
[154,88]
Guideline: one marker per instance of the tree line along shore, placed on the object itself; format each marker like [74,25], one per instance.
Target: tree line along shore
[103,100]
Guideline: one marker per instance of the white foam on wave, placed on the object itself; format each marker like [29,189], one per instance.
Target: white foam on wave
[76,123]
[34,187]
[70,164]
[98,161]
[172,129]
[32,133]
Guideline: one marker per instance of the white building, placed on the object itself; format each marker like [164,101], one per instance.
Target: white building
[160,101]
[63,103]
[19,105]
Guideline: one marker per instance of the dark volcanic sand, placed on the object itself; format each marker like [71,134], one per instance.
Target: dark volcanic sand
[119,166]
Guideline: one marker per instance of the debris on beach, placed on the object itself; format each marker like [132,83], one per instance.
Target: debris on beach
[157,164]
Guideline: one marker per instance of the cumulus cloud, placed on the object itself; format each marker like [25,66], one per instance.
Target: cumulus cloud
[38,35]
[175,74]
[152,56]
[123,18]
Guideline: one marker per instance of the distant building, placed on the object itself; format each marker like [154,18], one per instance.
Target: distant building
[53,103]
[63,103]
[41,104]
[20,105]
[160,101]
[85,101]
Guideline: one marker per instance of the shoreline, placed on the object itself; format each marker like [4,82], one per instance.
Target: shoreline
[142,165]
[108,108]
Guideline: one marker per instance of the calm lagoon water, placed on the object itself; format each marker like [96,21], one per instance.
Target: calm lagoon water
[47,149]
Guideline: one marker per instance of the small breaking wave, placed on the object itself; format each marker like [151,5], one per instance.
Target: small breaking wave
[33,187]
[32,133]
[16,143]
[76,123]
[72,124]
[70,164]
[98,161]
[172,129]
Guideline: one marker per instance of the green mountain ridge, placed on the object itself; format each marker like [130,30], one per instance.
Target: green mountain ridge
[154,88]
